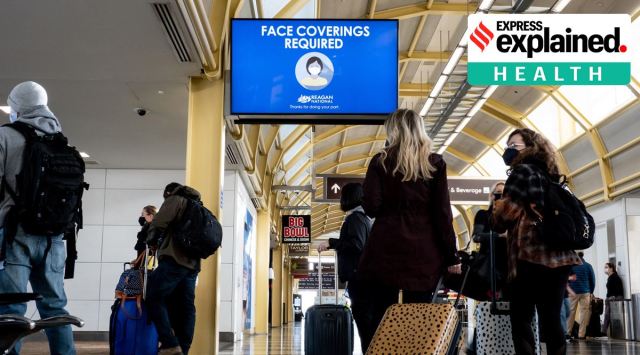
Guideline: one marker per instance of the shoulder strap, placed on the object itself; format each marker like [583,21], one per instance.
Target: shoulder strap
[27,131]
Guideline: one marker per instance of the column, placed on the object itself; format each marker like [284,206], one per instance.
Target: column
[205,172]
[263,234]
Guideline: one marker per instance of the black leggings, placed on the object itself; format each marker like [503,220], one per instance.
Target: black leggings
[540,288]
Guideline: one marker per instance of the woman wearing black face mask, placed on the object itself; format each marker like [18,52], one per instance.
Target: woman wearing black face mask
[148,212]
[353,237]
[537,275]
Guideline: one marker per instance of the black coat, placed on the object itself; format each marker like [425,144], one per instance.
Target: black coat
[353,237]
[412,240]
[614,286]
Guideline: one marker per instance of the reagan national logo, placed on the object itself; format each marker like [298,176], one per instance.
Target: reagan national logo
[551,49]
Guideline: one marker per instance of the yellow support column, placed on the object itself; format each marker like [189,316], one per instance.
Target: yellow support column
[263,233]
[290,297]
[205,172]
[276,289]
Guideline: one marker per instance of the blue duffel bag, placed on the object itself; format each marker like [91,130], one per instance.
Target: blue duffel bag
[131,332]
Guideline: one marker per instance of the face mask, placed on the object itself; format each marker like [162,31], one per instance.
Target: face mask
[13,116]
[509,155]
[497,196]
[314,70]
[142,221]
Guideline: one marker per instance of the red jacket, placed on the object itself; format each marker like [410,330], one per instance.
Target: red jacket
[412,240]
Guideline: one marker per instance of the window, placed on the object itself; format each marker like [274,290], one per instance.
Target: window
[493,163]
[635,61]
[471,171]
[597,102]
[554,122]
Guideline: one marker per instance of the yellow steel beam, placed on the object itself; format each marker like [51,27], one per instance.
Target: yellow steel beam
[291,8]
[372,8]
[605,165]
[325,168]
[410,11]
[373,146]
[478,136]
[414,43]
[355,171]
[504,113]
[301,153]
[300,171]
[420,56]
[365,140]
[467,159]
[332,132]
[343,143]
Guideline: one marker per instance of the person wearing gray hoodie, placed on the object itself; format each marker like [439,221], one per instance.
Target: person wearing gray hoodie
[25,259]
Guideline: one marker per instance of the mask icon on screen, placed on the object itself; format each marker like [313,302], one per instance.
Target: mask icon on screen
[314,70]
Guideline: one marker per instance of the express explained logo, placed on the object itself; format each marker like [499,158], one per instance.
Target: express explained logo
[482,36]
[532,37]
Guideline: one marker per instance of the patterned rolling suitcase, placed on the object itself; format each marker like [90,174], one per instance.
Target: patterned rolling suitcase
[328,328]
[493,331]
[493,325]
[419,328]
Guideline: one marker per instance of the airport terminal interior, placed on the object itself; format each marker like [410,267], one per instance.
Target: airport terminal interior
[159,91]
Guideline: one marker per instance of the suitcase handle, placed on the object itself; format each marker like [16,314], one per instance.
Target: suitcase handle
[335,278]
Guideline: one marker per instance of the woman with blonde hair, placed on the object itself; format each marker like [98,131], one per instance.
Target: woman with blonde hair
[412,242]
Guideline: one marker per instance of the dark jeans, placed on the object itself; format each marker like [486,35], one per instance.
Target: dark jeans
[374,300]
[170,300]
[542,288]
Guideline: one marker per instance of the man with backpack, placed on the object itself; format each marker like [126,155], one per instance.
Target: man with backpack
[583,287]
[183,231]
[41,193]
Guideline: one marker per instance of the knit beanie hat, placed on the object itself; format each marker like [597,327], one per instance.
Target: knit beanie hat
[27,95]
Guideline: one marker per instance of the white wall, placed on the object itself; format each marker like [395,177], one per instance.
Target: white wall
[633,230]
[236,201]
[111,210]
[599,253]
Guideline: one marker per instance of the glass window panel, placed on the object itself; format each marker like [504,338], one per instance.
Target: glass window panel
[598,101]
[471,171]
[295,149]
[635,61]
[493,163]
[554,122]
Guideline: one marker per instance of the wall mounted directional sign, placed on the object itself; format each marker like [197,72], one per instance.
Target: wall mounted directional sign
[470,191]
[462,190]
[296,229]
[333,185]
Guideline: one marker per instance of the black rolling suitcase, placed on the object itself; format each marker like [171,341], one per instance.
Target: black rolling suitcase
[328,328]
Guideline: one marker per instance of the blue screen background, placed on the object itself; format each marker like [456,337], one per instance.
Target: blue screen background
[263,77]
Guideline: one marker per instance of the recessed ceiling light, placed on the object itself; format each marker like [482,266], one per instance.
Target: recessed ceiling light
[160,92]
[84,155]
[6,109]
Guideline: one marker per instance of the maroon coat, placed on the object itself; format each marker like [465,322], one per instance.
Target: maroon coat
[412,240]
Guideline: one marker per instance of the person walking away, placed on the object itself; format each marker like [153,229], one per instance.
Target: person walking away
[583,287]
[537,275]
[412,242]
[31,223]
[353,237]
[171,286]
[615,292]
[565,311]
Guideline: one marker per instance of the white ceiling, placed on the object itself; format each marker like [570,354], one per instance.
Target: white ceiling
[98,61]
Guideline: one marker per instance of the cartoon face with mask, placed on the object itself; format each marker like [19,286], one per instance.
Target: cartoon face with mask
[314,68]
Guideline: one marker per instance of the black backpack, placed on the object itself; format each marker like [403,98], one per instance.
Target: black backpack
[198,234]
[566,224]
[48,195]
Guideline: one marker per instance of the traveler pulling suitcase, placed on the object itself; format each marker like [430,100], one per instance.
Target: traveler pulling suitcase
[328,328]
[493,325]
[419,328]
[131,332]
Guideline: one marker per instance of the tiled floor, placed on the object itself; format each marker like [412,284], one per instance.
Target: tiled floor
[290,339]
